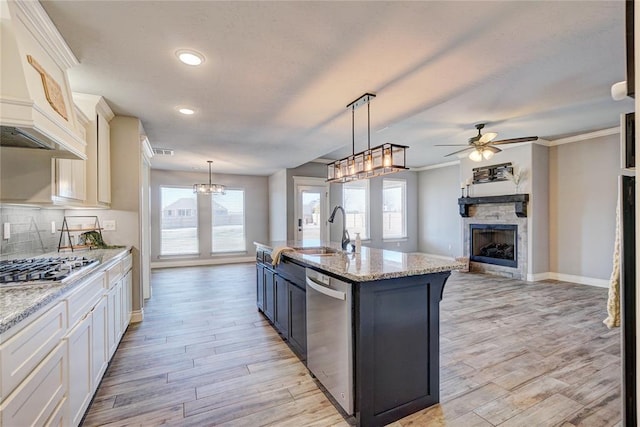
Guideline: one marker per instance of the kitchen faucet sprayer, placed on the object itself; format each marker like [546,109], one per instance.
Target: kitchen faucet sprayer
[345,235]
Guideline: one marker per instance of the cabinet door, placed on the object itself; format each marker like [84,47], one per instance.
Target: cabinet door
[70,179]
[104,160]
[41,394]
[114,310]
[126,300]
[298,320]
[281,321]
[99,341]
[80,375]
[260,286]
[269,295]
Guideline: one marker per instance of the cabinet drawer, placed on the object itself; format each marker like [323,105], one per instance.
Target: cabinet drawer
[26,349]
[38,398]
[114,273]
[127,263]
[84,298]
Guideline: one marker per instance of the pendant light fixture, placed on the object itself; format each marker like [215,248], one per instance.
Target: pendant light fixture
[381,160]
[209,188]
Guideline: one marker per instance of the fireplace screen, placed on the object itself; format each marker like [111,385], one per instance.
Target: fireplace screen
[494,244]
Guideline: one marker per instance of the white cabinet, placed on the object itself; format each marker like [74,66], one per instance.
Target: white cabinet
[99,340]
[42,395]
[98,163]
[52,364]
[80,375]
[70,179]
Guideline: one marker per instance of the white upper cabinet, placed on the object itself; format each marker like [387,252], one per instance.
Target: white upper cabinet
[98,163]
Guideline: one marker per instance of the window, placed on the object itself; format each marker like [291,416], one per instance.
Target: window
[227,222]
[394,209]
[179,221]
[355,200]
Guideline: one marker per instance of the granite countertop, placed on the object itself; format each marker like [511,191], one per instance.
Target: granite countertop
[20,301]
[368,265]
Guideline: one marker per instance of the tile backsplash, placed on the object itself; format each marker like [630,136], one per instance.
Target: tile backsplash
[30,231]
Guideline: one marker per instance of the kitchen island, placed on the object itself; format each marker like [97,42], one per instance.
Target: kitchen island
[394,314]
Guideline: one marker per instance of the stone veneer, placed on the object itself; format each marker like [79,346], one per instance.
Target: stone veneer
[498,213]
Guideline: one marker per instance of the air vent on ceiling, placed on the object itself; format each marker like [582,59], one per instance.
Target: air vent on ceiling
[162,152]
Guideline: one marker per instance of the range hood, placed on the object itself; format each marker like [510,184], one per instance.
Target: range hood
[36,105]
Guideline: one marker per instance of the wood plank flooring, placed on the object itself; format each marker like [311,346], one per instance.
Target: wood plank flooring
[512,354]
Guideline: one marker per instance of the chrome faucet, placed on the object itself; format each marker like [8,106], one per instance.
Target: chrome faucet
[345,235]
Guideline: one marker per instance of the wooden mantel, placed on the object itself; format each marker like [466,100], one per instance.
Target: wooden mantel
[519,201]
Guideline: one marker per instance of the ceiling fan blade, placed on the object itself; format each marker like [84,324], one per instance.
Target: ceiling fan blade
[487,137]
[494,150]
[459,151]
[515,140]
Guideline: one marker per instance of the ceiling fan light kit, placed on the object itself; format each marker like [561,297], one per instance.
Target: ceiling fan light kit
[377,161]
[482,145]
[209,188]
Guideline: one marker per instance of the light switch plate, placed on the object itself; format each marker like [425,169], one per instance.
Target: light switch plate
[109,225]
[6,233]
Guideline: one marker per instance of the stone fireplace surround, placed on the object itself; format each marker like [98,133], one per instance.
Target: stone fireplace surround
[498,213]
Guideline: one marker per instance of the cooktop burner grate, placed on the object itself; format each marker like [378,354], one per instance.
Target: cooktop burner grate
[41,269]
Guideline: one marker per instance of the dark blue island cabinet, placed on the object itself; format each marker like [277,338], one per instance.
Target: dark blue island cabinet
[395,334]
[397,347]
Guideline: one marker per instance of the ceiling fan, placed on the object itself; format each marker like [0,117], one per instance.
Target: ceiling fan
[483,144]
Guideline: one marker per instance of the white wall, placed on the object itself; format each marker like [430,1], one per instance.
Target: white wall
[582,206]
[278,206]
[256,213]
[439,225]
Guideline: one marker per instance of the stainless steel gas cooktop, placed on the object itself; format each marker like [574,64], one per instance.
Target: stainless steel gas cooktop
[41,269]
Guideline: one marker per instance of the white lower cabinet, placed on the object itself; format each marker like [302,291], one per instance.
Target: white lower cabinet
[51,366]
[80,375]
[114,316]
[37,399]
[99,340]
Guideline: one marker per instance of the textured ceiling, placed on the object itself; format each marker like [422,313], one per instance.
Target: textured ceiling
[278,75]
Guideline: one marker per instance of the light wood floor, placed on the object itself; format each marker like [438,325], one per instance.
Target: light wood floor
[512,354]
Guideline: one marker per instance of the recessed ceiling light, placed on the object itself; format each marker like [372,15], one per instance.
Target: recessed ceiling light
[190,57]
[186,111]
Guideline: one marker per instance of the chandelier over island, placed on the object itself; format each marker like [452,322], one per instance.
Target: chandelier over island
[377,161]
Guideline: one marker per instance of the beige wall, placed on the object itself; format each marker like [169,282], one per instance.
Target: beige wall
[278,206]
[439,224]
[582,205]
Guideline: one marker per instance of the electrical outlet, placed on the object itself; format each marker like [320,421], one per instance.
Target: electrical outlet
[6,234]
[53,227]
[109,225]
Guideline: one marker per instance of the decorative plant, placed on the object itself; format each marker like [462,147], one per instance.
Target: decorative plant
[515,177]
[94,239]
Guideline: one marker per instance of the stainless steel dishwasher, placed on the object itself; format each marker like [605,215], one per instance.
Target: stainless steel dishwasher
[329,336]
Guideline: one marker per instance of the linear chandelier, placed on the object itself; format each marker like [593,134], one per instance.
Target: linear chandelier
[209,188]
[377,161]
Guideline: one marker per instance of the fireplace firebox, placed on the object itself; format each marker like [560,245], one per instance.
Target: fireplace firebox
[494,244]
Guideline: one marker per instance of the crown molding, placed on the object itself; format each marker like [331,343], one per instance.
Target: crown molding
[584,136]
[437,166]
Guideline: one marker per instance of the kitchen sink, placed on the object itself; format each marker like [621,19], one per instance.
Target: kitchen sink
[322,251]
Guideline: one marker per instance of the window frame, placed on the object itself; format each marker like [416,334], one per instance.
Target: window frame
[161,254]
[244,224]
[367,201]
[403,186]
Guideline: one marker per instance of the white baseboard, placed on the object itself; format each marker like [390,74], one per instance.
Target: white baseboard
[137,316]
[199,262]
[582,280]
